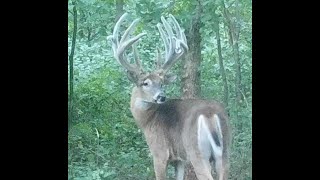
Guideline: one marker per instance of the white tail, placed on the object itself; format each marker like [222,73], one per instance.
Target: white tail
[205,137]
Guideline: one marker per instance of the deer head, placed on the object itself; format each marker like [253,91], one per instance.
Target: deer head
[150,84]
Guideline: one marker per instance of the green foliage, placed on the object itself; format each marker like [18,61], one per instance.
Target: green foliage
[104,141]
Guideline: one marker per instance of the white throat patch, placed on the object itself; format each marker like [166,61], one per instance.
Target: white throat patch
[141,104]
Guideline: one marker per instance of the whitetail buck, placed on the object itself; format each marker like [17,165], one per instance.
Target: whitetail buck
[176,130]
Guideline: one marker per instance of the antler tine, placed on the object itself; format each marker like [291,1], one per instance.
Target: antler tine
[120,47]
[180,32]
[114,36]
[175,44]
[136,57]
[164,38]
[167,27]
[158,60]
[129,30]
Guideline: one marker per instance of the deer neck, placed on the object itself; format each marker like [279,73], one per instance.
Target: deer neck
[142,111]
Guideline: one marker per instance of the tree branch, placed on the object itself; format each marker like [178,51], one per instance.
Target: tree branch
[74,37]
[70,12]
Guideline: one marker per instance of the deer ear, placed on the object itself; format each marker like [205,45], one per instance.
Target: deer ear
[169,78]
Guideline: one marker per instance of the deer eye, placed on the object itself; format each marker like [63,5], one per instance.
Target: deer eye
[145,84]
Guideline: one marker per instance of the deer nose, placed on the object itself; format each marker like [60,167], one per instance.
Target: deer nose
[160,98]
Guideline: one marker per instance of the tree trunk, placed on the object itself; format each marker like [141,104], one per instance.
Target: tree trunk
[235,48]
[119,9]
[190,79]
[74,37]
[234,31]
[222,70]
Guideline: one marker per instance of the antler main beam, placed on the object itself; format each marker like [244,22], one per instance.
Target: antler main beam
[125,42]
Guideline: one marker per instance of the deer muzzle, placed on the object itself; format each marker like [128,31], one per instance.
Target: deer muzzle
[160,97]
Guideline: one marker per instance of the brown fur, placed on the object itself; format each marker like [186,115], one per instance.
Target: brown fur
[171,129]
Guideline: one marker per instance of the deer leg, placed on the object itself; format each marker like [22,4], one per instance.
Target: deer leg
[179,170]
[160,168]
[199,150]
[201,167]
[221,168]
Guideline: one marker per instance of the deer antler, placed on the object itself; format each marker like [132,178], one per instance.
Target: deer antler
[175,44]
[119,47]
